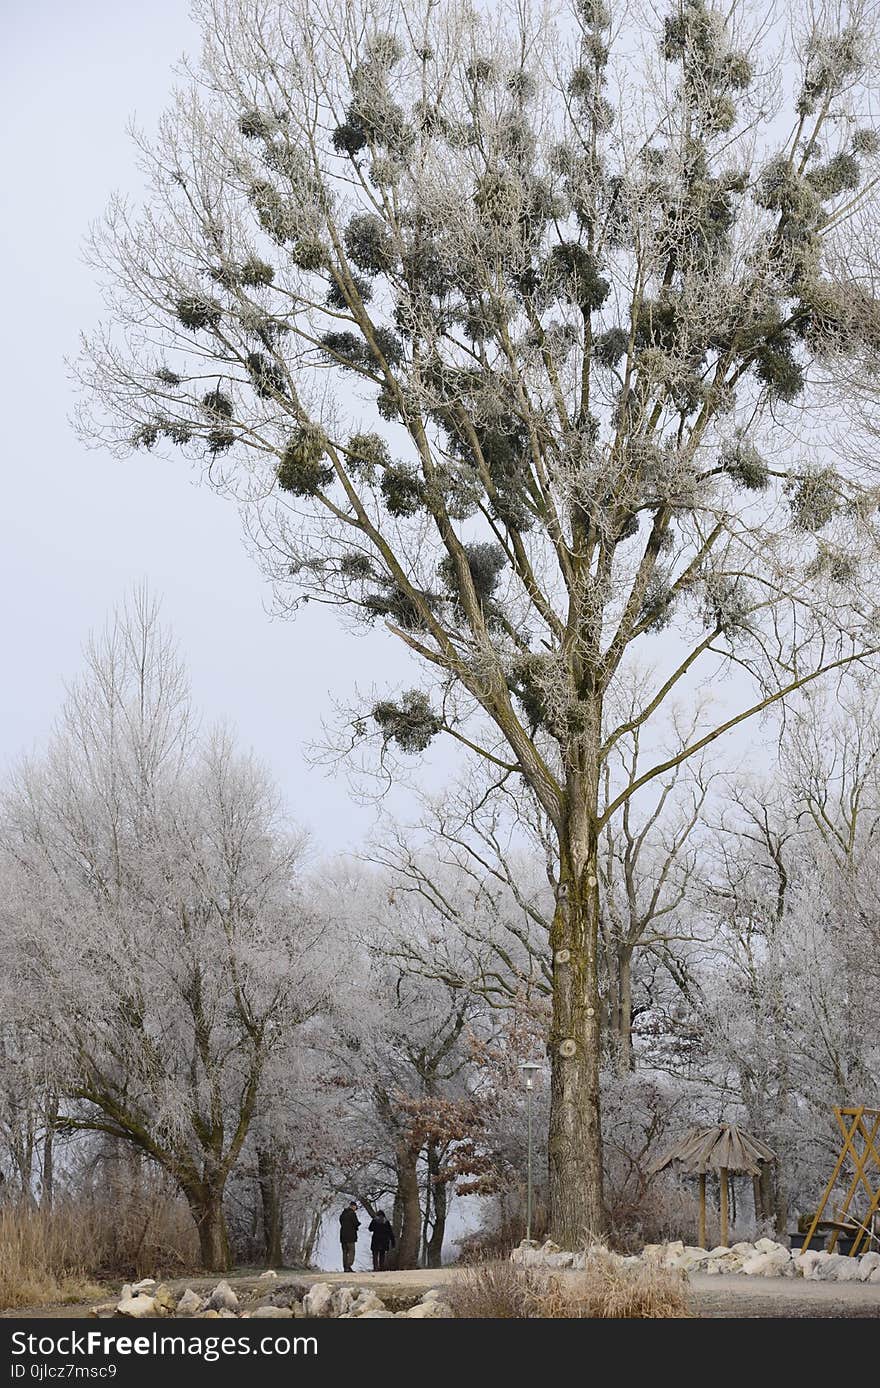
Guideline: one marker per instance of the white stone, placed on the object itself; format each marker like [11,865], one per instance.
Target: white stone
[849,1270]
[773,1264]
[558,1260]
[806,1262]
[770,1246]
[723,1260]
[691,1260]
[137,1307]
[875,1277]
[272,1313]
[834,1268]
[433,1310]
[146,1284]
[867,1263]
[550,1247]
[345,1300]
[268,1276]
[384,1314]
[127,1292]
[189,1304]
[671,1253]
[432,1295]
[366,1302]
[223,1298]
[531,1257]
[165,1299]
[318,1300]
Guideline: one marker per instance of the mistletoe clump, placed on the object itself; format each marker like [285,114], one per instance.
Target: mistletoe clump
[370,244]
[336,293]
[196,312]
[219,441]
[304,468]
[367,454]
[274,212]
[350,351]
[814,499]
[373,118]
[398,606]
[574,274]
[485,562]
[254,125]
[744,463]
[402,489]
[267,376]
[255,273]
[411,723]
[609,347]
[218,404]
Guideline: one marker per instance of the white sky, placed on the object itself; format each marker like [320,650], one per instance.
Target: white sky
[80,528]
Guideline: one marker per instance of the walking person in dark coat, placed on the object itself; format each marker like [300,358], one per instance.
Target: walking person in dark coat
[348,1232]
[382,1240]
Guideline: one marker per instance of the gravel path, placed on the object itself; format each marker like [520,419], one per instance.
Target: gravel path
[712,1297]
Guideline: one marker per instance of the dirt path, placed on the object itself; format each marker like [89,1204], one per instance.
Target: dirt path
[712,1297]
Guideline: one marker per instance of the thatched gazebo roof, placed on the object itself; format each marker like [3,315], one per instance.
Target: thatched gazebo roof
[723,1147]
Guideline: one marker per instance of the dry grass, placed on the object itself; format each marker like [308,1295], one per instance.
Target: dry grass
[40,1261]
[62,1256]
[603,1291]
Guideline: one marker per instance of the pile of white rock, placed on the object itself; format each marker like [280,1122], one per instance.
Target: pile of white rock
[761,1259]
[149,1299]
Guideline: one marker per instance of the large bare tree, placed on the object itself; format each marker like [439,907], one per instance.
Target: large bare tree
[547,342]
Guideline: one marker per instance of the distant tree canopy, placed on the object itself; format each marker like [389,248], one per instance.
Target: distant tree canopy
[530,341]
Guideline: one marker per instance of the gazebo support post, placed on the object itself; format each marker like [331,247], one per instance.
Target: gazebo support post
[702,1237]
[722,1181]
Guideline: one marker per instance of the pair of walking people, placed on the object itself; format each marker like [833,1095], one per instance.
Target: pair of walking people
[382,1237]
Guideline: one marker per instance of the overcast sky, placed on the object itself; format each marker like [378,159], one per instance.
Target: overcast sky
[80,527]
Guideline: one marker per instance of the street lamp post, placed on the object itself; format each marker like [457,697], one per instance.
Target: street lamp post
[529,1067]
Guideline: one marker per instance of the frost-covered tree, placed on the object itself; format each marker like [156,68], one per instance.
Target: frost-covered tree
[529,337]
[153,923]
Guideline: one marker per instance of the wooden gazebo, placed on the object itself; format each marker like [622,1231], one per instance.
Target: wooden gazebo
[723,1148]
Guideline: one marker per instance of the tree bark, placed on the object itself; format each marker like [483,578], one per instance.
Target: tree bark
[207,1211]
[408,1207]
[575,1141]
[47,1183]
[434,1249]
[272,1207]
[625,1058]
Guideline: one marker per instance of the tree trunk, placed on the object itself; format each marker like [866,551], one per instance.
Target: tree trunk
[207,1211]
[434,1250]
[47,1183]
[272,1206]
[409,1209]
[625,1059]
[575,1142]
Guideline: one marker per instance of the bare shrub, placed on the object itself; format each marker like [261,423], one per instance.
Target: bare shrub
[497,1291]
[603,1291]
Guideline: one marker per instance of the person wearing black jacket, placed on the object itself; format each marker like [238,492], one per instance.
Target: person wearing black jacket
[348,1232]
[382,1240]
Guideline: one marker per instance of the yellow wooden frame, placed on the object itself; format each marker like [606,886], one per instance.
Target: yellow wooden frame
[853,1125]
